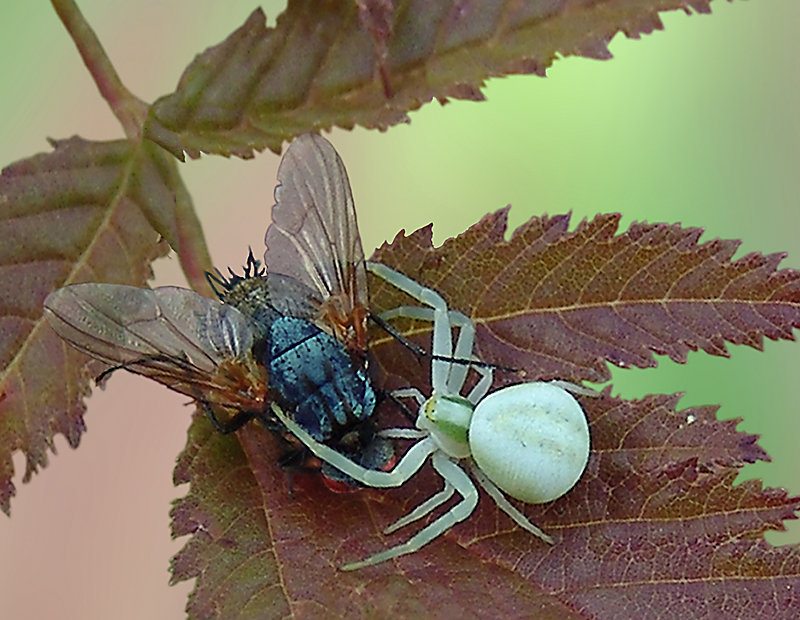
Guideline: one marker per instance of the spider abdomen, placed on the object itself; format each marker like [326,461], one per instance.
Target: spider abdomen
[531,440]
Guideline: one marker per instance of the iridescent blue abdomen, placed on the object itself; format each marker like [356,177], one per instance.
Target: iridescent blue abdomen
[316,378]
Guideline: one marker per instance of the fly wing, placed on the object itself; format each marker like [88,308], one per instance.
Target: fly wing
[313,236]
[291,297]
[194,345]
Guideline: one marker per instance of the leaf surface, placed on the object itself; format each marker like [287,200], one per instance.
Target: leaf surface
[656,525]
[369,63]
[84,212]
[231,550]
[559,304]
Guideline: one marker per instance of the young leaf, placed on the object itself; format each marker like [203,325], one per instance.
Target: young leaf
[351,63]
[85,212]
[656,516]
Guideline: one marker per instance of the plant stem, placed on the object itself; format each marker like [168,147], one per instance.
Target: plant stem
[193,253]
[131,113]
[129,110]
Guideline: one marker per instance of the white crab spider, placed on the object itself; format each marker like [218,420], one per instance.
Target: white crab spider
[531,440]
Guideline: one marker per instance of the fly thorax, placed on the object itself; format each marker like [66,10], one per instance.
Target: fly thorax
[251,297]
[448,419]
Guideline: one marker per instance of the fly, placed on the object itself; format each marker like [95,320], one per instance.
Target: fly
[294,333]
[310,305]
[191,344]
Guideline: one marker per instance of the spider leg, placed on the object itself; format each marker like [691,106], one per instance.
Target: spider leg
[480,389]
[463,350]
[575,388]
[408,413]
[442,337]
[460,481]
[425,295]
[447,375]
[403,433]
[417,313]
[408,465]
[429,505]
[410,392]
[506,506]
[462,354]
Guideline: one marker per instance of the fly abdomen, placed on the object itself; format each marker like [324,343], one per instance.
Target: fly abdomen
[315,377]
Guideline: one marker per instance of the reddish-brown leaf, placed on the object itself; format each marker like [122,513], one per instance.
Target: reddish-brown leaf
[655,526]
[85,212]
[655,518]
[231,550]
[369,63]
[258,552]
[559,303]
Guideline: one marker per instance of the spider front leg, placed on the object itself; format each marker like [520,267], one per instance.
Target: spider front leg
[408,465]
[442,338]
[457,362]
[447,377]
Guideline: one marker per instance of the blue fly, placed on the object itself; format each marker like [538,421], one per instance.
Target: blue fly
[293,332]
[310,303]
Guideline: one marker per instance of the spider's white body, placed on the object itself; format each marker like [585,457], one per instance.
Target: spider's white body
[531,440]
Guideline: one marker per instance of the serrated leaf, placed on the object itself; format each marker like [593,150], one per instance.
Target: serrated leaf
[258,551]
[85,212]
[656,517]
[347,63]
[655,525]
[557,303]
[231,549]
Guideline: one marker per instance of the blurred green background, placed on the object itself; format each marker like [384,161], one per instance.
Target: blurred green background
[695,124]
